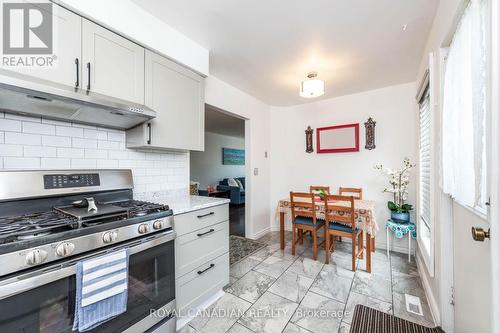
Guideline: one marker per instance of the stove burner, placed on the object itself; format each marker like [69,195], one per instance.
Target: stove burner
[33,225]
[141,208]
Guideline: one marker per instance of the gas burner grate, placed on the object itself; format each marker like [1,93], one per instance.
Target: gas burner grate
[141,208]
[28,226]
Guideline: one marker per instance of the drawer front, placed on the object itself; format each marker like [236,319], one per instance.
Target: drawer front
[192,221]
[196,248]
[197,286]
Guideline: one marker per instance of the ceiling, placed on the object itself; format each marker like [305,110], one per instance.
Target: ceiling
[218,122]
[267,47]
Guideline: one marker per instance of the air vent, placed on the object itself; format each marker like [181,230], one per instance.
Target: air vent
[413,305]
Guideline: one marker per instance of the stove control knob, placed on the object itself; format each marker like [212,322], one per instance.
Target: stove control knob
[109,236]
[159,224]
[65,249]
[143,228]
[36,257]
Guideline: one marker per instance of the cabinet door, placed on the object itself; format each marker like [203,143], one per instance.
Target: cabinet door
[67,43]
[177,96]
[116,64]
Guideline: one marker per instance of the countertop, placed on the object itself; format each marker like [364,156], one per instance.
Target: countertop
[181,204]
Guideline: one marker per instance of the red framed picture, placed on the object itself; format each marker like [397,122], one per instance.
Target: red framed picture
[337,139]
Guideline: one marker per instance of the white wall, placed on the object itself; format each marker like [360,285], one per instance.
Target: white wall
[257,129]
[394,110]
[207,167]
[35,143]
[135,23]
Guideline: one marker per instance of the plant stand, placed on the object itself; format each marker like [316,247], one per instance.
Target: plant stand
[400,230]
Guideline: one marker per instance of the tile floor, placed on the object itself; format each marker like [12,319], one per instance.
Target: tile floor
[273,291]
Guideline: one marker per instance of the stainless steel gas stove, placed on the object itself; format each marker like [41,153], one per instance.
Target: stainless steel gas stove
[50,220]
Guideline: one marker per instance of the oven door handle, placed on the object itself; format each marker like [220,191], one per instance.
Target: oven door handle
[28,281]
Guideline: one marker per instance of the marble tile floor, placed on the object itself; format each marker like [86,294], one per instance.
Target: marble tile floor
[273,291]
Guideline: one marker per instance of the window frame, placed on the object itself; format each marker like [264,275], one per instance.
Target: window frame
[425,235]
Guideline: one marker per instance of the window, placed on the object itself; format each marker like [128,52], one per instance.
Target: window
[425,160]
[464,108]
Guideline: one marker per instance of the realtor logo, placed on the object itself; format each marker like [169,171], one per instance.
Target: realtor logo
[27,28]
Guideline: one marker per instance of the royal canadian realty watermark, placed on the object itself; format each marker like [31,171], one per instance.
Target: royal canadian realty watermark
[27,34]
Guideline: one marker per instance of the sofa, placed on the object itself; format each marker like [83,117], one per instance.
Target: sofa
[237,194]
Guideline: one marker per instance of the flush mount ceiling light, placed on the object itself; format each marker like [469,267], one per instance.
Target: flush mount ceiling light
[312,87]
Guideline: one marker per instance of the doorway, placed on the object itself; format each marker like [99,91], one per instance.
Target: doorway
[219,170]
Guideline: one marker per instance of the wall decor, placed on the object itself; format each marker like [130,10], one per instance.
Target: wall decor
[231,156]
[370,134]
[309,139]
[338,139]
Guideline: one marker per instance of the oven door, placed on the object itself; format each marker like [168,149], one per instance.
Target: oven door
[44,300]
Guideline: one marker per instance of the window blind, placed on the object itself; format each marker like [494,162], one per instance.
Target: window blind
[425,159]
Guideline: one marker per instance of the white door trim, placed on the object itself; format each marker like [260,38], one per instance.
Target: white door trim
[494,217]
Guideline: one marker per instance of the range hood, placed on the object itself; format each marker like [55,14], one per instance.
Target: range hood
[51,101]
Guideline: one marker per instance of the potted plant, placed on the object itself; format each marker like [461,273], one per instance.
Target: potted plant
[399,181]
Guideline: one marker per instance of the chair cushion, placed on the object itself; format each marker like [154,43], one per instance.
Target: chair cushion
[307,221]
[341,227]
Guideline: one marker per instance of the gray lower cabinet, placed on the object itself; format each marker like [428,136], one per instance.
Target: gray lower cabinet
[177,96]
[201,255]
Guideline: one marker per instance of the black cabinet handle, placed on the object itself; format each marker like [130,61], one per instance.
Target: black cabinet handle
[88,73]
[206,269]
[149,133]
[77,63]
[205,215]
[204,233]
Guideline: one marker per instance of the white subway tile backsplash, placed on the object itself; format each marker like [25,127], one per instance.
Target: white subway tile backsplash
[96,153]
[37,128]
[56,141]
[21,163]
[77,163]
[33,143]
[76,132]
[118,154]
[127,164]
[119,136]
[55,163]
[10,125]
[39,151]
[11,150]
[70,152]
[107,164]
[23,139]
[90,133]
[84,143]
[108,144]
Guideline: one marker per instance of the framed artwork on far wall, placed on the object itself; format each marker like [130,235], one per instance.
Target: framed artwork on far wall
[231,156]
[337,139]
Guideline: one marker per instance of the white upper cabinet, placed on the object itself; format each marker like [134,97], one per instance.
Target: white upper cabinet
[67,49]
[112,65]
[177,96]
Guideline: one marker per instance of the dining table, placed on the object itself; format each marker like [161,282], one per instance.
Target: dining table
[364,216]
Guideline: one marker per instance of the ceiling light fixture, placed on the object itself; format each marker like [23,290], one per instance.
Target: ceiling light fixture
[312,87]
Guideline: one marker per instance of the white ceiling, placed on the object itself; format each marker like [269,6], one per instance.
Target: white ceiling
[266,47]
[221,123]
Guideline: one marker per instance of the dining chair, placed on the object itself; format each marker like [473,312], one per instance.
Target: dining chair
[356,192]
[316,189]
[304,219]
[340,221]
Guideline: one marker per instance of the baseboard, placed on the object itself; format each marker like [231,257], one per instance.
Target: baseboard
[260,233]
[433,304]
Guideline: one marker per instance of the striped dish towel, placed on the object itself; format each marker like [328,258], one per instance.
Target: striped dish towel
[101,290]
